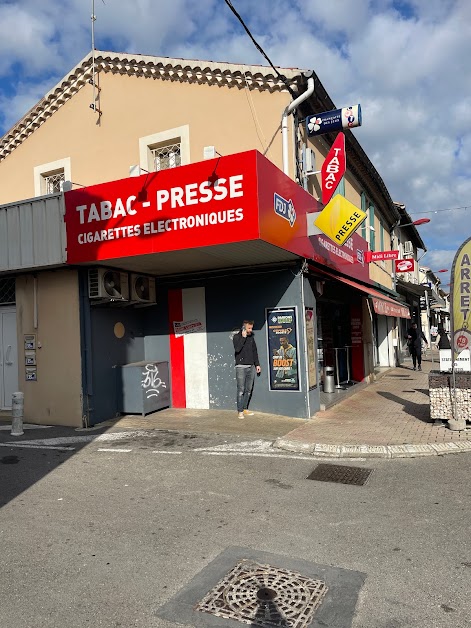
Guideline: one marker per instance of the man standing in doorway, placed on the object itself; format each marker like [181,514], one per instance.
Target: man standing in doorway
[414,342]
[246,364]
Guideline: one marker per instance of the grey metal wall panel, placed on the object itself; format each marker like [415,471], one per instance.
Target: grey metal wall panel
[32,233]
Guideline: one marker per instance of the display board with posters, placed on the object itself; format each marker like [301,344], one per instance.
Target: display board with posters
[283,348]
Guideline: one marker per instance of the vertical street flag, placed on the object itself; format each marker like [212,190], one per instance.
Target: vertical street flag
[333,168]
[460,299]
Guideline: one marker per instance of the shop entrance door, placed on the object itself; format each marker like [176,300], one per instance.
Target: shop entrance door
[8,357]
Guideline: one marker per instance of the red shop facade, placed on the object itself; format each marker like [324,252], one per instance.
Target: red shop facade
[218,241]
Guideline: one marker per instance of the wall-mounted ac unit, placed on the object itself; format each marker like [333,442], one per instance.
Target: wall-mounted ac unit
[142,288]
[408,247]
[106,284]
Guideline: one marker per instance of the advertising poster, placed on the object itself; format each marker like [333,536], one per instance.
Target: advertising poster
[311,348]
[283,348]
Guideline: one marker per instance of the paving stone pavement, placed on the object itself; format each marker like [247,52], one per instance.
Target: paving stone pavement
[389,418]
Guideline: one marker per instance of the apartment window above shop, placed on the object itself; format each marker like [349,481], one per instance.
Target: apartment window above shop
[164,150]
[49,178]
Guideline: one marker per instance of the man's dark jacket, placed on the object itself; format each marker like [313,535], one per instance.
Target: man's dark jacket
[245,350]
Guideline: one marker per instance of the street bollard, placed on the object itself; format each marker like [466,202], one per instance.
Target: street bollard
[17,414]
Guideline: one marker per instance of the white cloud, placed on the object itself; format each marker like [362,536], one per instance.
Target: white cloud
[409,71]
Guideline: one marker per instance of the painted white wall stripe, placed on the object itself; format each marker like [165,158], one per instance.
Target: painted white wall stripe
[196,350]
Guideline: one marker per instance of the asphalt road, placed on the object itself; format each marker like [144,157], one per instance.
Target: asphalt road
[104,538]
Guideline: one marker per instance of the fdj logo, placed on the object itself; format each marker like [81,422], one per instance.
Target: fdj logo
[284,208]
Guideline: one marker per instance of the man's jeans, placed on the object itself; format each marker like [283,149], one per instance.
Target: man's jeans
[245,378]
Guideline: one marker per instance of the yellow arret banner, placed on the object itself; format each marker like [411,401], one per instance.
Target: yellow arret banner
[461,299]
[339,219]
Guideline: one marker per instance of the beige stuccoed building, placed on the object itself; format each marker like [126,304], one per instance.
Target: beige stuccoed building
[115,116]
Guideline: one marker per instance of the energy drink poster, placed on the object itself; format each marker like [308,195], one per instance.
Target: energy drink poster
[283,348]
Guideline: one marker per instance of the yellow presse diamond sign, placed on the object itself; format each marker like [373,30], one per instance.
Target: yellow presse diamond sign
[339,219]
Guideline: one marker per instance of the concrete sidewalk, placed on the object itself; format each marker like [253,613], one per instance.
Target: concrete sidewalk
[389,418]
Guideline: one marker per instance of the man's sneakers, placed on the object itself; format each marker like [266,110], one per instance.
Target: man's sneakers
[419,368]
[242,415]
[413,368]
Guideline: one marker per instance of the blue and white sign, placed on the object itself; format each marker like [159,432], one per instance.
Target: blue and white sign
[284,208]
[335,120]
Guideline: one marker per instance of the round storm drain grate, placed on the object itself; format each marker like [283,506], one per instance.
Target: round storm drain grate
[261,595]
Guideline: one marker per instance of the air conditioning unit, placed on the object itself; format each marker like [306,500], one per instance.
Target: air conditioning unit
[109,285]
[408,248]
[142,288]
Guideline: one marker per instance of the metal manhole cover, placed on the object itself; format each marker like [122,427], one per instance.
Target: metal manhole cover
[341,474]
[261,595]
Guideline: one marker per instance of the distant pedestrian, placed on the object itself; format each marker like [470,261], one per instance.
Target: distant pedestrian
[414,342]
[246,364]
[443,342]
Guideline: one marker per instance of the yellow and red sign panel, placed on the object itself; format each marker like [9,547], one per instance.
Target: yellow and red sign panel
[340,219]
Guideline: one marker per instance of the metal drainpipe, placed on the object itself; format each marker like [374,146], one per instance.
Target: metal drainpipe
[284,120]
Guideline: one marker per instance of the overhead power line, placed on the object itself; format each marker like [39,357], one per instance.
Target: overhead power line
[260,49]
[436,211]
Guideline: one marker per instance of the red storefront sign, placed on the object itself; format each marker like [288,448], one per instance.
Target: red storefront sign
[333,168]
[387,308]
[241,197]
[232,199]
[404,265]
[199,205]
[377,256]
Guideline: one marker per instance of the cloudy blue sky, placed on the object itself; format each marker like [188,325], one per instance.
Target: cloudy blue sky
[405,61]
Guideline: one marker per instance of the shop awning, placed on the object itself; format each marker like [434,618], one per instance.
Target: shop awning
[382,304]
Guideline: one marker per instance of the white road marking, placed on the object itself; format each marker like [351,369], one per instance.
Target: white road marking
[68,440]
[161,451]
[252,446]
[28,446]
[26,426]
[260,455]
[113,449]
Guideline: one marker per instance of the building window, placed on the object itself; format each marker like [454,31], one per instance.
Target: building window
[49,178]
[371,221]
[166,156]
[164,150]
[7,291]
[53,182]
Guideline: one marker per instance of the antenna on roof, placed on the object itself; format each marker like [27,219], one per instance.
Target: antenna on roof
[96,89]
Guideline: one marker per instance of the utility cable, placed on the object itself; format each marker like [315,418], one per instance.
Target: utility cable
[260,49]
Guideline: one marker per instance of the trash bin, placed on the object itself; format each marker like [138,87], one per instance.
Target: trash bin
[329,379]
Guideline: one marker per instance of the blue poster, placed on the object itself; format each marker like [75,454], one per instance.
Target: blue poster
[283,348]
[335,120]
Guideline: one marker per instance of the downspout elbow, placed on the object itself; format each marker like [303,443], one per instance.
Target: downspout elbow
[284,120]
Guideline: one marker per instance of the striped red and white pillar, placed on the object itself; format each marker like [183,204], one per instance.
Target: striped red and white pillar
[188,350]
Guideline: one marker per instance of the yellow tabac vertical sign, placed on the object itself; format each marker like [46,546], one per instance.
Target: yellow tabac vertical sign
[339,219]
[461,299]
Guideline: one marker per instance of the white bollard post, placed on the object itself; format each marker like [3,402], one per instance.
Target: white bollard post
[17,411]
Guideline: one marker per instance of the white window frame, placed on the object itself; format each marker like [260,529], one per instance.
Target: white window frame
[179,134]
[52,166]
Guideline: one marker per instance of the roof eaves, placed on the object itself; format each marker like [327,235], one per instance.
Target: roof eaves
[258,77]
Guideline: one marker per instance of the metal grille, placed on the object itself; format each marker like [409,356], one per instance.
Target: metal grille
[340,473]
[7,291]
[53,183]
[261,595]
[165,157]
